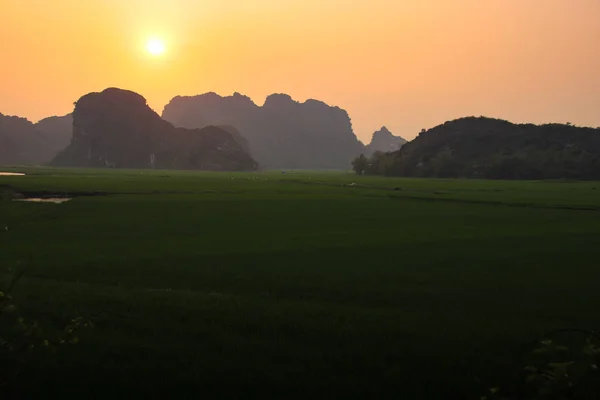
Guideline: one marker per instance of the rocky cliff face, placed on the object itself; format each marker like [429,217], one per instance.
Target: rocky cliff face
[384,140]
[237,136]
[282,133]
[116,128]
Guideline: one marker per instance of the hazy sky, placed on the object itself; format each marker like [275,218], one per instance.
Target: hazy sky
[406,64]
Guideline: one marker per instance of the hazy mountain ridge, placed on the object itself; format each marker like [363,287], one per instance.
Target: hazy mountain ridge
[285,132]
[116,128]
[282,133]
[58,130]
[23,142]
[384,140]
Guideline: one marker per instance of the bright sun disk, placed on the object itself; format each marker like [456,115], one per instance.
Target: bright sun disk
[155,47]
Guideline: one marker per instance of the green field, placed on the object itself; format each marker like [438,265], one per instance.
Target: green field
[297,285]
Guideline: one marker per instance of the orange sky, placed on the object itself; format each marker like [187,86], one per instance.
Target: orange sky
[406,64]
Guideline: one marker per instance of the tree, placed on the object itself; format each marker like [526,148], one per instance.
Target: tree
[360,164]
[22,341]
[379,163]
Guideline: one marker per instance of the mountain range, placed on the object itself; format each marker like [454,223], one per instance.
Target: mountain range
[23,142]
[282,133]
[116,128]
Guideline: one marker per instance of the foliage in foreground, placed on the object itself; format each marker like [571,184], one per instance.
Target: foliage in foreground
[558,372]
[23,341]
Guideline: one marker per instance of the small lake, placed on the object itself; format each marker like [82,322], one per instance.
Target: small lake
[55,200]
[11,174]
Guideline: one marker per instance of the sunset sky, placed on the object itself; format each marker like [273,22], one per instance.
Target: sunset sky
[406,64]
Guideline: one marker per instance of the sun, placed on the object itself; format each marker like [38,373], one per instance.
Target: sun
[155,46]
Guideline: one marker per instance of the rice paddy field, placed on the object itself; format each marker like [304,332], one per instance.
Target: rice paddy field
[301,284]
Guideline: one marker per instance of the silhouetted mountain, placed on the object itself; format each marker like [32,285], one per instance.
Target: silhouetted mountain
[497,149]
[57,131]
[22,142]
[282,133]
[116,128]
[384,140]
[237,136]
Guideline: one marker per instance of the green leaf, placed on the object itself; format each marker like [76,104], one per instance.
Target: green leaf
[9,308]
[561,366]
[532,377]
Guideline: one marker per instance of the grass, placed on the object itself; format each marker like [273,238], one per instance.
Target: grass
[298,285]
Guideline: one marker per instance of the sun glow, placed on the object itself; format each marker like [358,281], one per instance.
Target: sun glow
[155,47]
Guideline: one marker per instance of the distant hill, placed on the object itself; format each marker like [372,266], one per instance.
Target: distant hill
[491,148]
[57,131]
[283,133]
[116,128]
[384,140]
[22,142]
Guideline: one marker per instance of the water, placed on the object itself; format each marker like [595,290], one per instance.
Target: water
[55,200]
[11,174]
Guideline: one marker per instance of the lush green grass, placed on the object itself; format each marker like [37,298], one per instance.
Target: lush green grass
[298,284]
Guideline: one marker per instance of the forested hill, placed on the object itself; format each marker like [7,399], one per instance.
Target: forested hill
[492,148]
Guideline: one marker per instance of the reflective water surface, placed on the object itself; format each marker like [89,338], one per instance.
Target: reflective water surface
[56,200]
[11,174]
